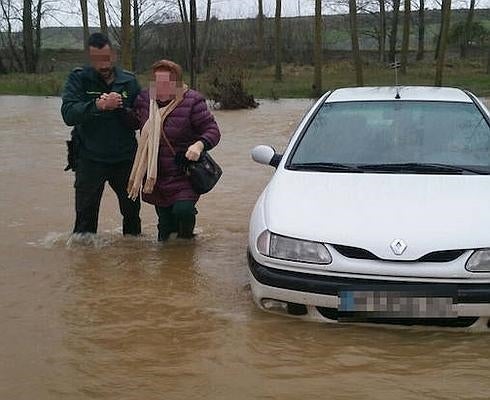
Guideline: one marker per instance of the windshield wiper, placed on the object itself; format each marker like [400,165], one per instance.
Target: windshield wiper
[324,166]
[421,167]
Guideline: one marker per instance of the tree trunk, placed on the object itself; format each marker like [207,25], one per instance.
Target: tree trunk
[3,69]
[355,42]
[207,30]
[260,32]
[317,83]
[446,19]
[394,30]
[467,29]
[488,62]
[126,34]
[27,30]
[136,31]
[278,42]
[185,29]
[439,35]
[382,30]
[102,17]
[193,42]
[406,37]
[37,47]
[86,33]
[421,38]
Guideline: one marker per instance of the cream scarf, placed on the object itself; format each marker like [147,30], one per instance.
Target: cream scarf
[146,160]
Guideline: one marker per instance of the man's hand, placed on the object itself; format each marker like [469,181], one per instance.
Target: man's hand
[109,101]
[194,151]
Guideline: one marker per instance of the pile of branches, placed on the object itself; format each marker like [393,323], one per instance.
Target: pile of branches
[226,87]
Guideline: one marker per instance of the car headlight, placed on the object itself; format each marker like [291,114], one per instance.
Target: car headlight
[479,261]
[286,248]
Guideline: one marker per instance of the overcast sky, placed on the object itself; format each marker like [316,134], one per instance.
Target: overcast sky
[69,16]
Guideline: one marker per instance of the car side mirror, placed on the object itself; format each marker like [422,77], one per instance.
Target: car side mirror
[266,155]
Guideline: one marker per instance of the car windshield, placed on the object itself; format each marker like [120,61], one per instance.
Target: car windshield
[396,134]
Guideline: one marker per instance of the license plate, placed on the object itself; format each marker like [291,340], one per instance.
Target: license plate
[362,304]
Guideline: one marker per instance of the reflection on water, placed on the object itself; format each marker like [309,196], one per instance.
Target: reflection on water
[109,317]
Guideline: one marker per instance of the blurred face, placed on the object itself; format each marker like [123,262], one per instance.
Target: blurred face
[102,60]
[165,85]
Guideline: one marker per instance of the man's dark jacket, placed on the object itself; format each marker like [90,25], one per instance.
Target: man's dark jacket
[105,136]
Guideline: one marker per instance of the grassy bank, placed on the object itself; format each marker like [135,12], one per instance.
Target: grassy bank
[296,81]
[49,84]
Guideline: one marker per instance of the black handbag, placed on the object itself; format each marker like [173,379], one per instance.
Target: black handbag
[204,173]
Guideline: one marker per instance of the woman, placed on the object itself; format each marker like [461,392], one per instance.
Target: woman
[175,121]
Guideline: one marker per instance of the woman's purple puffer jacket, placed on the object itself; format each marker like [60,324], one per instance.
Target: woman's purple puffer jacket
[189,122]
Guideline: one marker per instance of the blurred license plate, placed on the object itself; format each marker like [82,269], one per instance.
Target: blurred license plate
[360,304]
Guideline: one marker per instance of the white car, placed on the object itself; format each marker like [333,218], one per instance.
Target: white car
[378,211]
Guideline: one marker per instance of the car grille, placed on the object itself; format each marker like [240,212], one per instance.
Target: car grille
[363,254]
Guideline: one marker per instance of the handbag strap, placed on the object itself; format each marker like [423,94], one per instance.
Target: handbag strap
[168,142]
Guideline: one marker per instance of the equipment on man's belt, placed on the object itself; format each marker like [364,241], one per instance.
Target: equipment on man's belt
[72,147]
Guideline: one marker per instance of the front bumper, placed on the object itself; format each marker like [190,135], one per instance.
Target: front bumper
[320,294]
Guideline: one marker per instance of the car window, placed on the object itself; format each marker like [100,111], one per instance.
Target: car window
[396,132]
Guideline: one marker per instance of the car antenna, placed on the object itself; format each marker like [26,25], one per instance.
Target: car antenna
[395,65]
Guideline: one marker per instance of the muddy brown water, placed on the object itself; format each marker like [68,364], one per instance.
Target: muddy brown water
[118,318]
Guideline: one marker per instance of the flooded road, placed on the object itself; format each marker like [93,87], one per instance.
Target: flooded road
[121,318]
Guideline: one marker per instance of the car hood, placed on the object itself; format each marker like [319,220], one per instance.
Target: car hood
[428,212]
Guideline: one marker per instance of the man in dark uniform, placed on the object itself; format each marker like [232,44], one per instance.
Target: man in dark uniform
[98,100]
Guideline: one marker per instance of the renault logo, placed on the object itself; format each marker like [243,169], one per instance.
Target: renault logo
[398,246]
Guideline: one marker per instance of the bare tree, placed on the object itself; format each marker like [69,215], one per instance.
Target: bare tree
[406,37]
[382,30]
[445,22]
[421,38]
[102,16]
[126,34]
[145,13]
[86,33]
[278,42]
[394,29]
[356,55]
[317,84]
[260,31]
[467,29]
[9,14]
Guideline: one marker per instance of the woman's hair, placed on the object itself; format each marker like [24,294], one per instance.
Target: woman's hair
[166,65]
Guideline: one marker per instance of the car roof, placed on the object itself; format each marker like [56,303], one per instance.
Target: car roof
[383,93]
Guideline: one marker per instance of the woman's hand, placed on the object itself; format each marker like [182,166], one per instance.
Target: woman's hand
[194,151]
